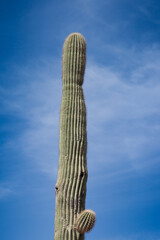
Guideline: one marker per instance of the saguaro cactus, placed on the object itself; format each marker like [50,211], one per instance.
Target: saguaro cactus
[70,188]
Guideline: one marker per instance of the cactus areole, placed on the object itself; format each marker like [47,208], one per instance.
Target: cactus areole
[70,189]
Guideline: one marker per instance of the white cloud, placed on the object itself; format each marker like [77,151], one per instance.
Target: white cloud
[4,191]
[36,100]
[122,114]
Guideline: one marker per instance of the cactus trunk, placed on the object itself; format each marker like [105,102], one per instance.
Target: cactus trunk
[72,174]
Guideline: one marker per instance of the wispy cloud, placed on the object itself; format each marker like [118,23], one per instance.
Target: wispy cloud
[123,112]
[36,101]
[4,191]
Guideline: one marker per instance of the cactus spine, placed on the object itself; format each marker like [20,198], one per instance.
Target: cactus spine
[70,188]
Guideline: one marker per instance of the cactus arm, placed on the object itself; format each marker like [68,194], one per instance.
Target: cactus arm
[85,221]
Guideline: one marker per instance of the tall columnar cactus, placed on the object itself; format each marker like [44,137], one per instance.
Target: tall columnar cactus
[70,188]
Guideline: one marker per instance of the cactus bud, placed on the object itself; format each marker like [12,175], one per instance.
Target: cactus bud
[85,221]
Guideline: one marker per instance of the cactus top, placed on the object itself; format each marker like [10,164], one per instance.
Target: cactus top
[74,59]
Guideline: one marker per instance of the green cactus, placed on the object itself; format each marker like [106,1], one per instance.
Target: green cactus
[85,221]
[70,188]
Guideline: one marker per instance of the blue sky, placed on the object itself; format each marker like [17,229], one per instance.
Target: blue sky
[122,92]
